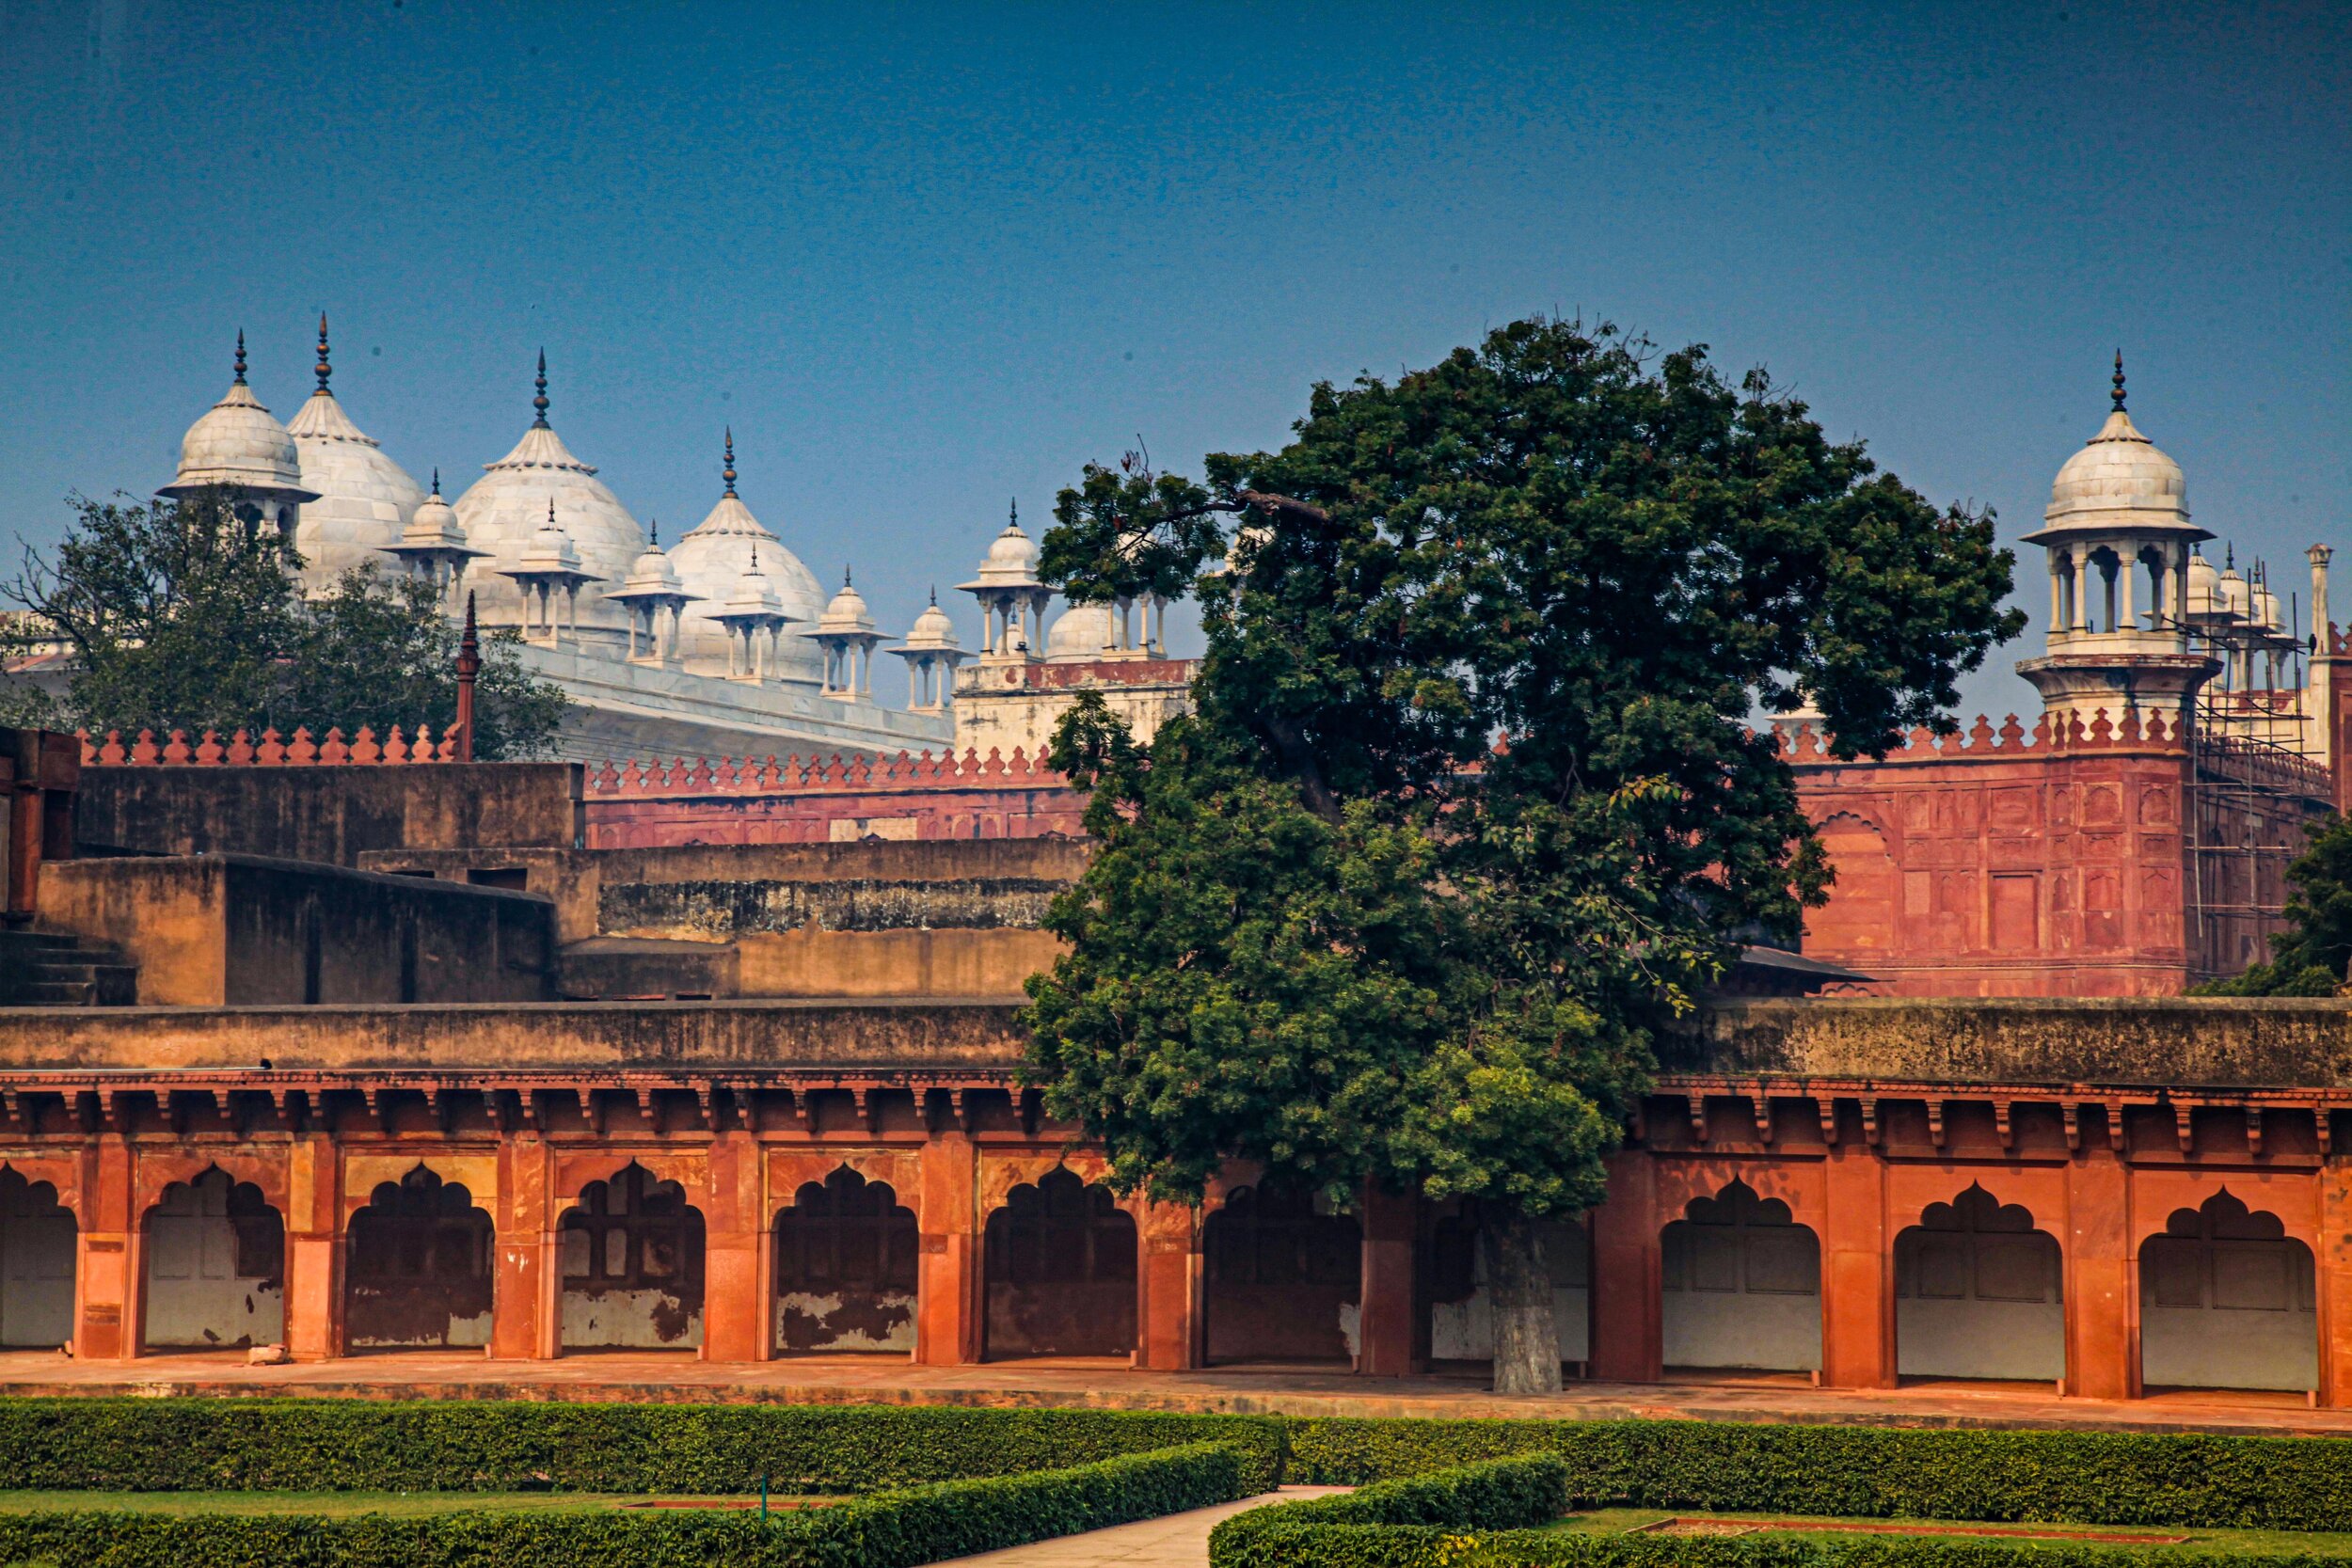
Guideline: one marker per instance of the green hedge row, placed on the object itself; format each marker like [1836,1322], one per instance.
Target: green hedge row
[889,1529]
[2293,1483]
[133,1445]
[1360,1531]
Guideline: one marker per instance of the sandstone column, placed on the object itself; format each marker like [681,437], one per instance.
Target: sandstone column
[1857,1298]
[1170,1284]
[520,1328]
[1385,1322]
[314,1248]
[2102,1284]
[1629,1333]
[735,1300]
[948,1319]
[105,1324]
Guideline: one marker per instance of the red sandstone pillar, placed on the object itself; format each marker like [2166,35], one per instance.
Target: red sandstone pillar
[734,1304]
[521,1328]
[1170,1286]
[1627,1330]
[2102,1284]
[1384,1326]
[947,1317]
[314,1249]
[2335,1282]
[106,1325]
[1857,1296]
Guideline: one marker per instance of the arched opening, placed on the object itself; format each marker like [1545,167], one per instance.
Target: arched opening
[37,1246]
[419,1267]
[1742,1286]
[1859,917]
[2104,562]
[1461,1311]
[215,1266]
[2160,610]
[632,1262]
[1283,1278]
[1978,1294]
[1059,1259]
[846,1268]
[2227,1300]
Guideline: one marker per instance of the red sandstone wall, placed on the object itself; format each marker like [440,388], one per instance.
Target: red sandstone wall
[815,800]
[1989,866]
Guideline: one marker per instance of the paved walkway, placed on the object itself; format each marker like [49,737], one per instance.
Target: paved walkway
[1298,1391]
[1174,1540]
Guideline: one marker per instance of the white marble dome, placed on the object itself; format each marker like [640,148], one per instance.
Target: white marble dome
[2120,479]
[712,559]
[365,500]
[237,442]
[1011,559]
[932,631]
[509,503]
[846,611]
[1079,634]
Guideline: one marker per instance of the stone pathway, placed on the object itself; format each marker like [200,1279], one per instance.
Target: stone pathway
[1174,1540]
[1108,1385]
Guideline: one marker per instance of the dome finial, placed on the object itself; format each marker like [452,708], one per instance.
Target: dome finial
[845,577]
[551,512]
[934,593]
[727,472]
[2118,393]
[654,526]
[324,369]
[437,482]
[1015,520]
[241,357]
[540,403]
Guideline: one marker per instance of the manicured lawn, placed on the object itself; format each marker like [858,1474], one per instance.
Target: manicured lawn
[1614,1521]
[346,1504]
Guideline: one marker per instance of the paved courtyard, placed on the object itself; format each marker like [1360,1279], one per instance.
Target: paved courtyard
[1300,1391]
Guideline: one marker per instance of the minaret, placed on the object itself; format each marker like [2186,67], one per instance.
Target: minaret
[2118,539]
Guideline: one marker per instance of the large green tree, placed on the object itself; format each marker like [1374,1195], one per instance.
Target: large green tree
[187,615]
[1470,801]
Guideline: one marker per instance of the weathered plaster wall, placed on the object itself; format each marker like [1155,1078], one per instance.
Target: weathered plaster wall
[240,930]
[333,814]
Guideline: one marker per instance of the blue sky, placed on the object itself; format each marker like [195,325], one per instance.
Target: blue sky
[925,257]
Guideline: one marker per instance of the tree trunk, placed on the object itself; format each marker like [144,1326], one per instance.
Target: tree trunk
[1518,1283]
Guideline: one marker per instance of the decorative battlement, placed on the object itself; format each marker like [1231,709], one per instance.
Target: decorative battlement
[272,751]
[1803,743]
[1038,676]
[796,775]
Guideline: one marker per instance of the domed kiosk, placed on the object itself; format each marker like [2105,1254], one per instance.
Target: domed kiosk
[364,501]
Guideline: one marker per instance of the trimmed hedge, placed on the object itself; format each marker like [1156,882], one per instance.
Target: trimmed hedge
[194,1445]
[1359,1530]
[890,1529]
[2290,1484]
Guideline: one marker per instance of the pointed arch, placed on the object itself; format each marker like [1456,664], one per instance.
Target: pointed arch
[1741,1285]
[847,1254]
[38,1239]
[214,1254]
[1282,1278]
[1979,1294]
[417,1268]
[631,1250]
[2227,1300]
[1060,1264]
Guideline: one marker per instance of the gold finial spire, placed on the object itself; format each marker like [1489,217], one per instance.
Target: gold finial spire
[324,369]
[2118,393]
[241,357]
[727,472]
[539,403]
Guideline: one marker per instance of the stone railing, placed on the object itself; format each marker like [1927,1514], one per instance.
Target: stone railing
[797,775]
[239,750]
[1803,743]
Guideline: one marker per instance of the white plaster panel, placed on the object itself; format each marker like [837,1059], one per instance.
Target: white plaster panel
[1465,1330]
[1980,1338]
[2199,1347]
[1724,1328]
[624,1319]
[811,1304]
[37,1256]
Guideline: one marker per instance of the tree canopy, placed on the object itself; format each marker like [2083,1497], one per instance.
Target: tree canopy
[1470,800]
[187,615]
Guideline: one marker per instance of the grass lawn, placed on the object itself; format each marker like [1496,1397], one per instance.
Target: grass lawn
[1616,1520]
[337,1505]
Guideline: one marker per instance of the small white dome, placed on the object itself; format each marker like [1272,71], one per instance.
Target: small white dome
[652,574]
[753,593]
[1011,559]
[509,502]
[364,501]
[435,521]
[2119,482]
[715,555]
[2205,586]
[1080,634]
[846,611]
[550,548]
[237,442]
[2233,596]
[932,632]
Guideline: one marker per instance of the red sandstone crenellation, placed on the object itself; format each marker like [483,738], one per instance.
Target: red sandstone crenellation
[797,775]
[2136,731]
[239,750]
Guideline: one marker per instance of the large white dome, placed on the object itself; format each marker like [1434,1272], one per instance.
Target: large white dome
[509,503]
[237,442]
[2119,470]
[365,500]
[1079,634]
[712,559]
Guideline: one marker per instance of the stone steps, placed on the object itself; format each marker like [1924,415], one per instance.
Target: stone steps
[54,969]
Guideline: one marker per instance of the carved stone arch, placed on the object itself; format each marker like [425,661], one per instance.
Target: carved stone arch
[1001,1173]
[1061,1263]
[1282,1278]
[419,1256]
[364,1175]
[1740,1277]
[898,1169]
[212,1255]
[689,1171]
[2229,1299]
[848,1269]
[1979,1291]
[39,1261]
[631,1250]
[61,1174]
[159,1172]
